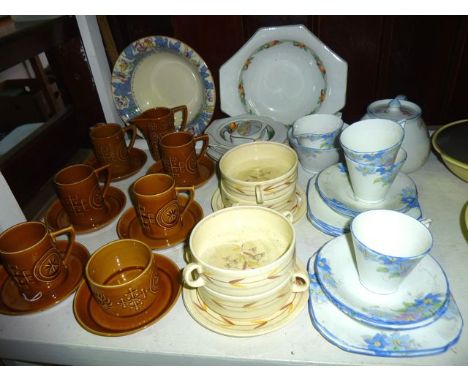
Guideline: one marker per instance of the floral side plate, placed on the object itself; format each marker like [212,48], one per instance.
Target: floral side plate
[334,187]
[420,299]
[353,336]
[331,222]
[162,71]
[284,73]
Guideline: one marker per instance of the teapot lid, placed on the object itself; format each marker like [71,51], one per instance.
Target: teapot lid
[396,109]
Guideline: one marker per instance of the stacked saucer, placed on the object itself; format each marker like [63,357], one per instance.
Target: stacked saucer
[420,318]
[332,204]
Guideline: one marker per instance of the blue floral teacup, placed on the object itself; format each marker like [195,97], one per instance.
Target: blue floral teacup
[388,245]
[371,183]
[318,131]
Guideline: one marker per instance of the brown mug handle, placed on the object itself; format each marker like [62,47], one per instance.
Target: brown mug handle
[71,239]
[184,111]
[206,140]
[191,192]
[134,135]
[108,178]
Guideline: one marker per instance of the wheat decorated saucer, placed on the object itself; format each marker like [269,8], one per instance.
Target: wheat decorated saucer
[419,300]
[233,327]
[93,319]
[129,227]
[137,160]
[57,218]
[298,209]
[335,188]
[354,336]
[331,222]
[13,303]
[206,167]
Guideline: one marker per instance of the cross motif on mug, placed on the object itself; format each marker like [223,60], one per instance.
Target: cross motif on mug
[147,219]
[176,166]
[77,206]
[21,276]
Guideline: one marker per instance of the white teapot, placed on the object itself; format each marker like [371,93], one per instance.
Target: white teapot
[407,114]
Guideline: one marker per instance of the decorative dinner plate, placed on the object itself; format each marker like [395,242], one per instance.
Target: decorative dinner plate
[353,336]
[298,210]
[334,186]
[283,73]
[419,300]
[220,141]
[217,323]
[331,222]
[162,71]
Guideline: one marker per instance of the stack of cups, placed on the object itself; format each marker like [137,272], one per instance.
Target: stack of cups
[244,262]
[374,156]
[315,139]
[259,173]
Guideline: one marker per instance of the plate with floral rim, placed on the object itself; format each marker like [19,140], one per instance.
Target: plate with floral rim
[334,186]
[163,71]
[331,222]
[420,298]
[284,73]
[353,336]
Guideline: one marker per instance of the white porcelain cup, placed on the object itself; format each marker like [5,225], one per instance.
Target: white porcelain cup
[372,142]
[318,131]
[388,245]
[371,183]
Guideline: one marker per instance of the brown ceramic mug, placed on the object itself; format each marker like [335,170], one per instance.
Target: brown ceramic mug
[157,205]
[31,258]
[123,277]
[81,195]
[157,122]
[108,140]
[180,158]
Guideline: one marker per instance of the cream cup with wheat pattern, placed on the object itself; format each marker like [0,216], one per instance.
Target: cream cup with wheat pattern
[388,245]
[255,306]
[123,277]
[241,251]
[259,171]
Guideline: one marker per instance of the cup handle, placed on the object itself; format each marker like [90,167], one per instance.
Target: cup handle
[187,275]
[184,111]
[302,285]
[259,194]
[134,135]
[71,239]
[191,192]
[108,178]
[288,215]
[206,140]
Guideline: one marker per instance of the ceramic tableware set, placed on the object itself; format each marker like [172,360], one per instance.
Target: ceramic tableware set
[369,178]
[378,291]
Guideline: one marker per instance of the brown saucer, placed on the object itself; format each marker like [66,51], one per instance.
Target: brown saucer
[13,303]
[129,226]
[207,169]
[137,160]
[92,318]
[57,218]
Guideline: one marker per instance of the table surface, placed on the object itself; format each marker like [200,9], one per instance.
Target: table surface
[54,336]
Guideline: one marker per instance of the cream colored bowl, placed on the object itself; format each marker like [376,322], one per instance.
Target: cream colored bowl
[240,251]
[259,170]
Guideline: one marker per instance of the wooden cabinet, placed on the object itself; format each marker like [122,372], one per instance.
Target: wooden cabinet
[30,165]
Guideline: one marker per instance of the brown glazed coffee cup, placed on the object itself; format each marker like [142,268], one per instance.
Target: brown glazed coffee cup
[108,141]
[81,195]
[31,258]
[123,277]
[157,205]
[156,122]
[180,158]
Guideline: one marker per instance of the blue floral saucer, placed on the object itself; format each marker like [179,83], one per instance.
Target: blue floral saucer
[419,301]
[334,187]
[354,336]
